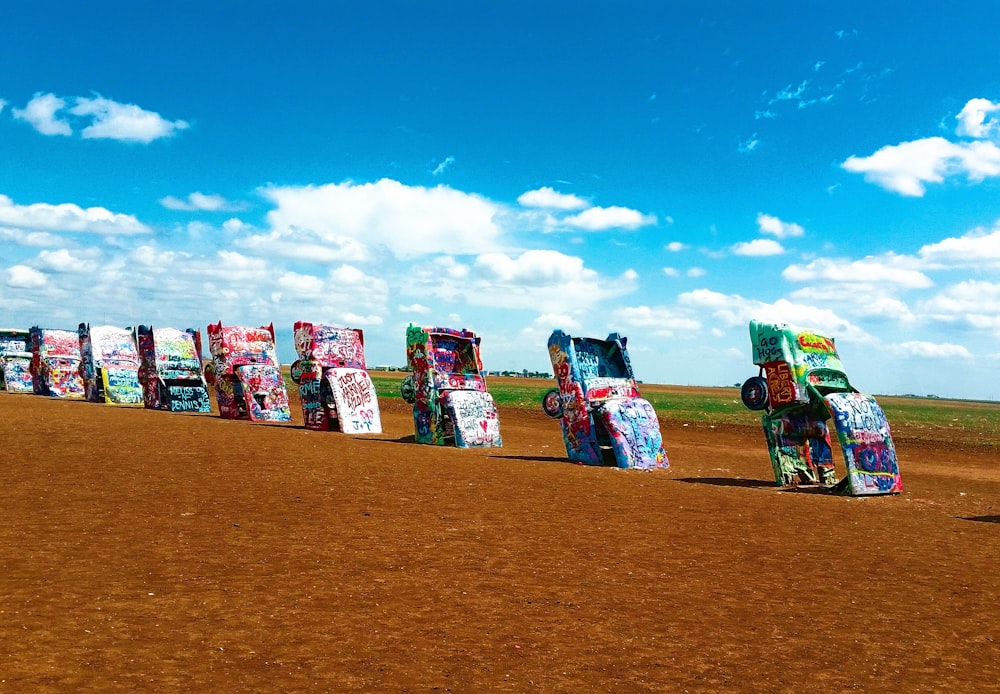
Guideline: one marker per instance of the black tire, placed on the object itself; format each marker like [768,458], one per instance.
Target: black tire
[408,389]
[551,404]
[754,393]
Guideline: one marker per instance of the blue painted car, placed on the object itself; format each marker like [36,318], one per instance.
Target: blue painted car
[604,419]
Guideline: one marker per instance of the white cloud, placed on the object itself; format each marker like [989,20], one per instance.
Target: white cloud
[974,119]
[419,309]
[68,217]
[106,119]
[758,248]
[671,272]
[602,218]
[409,221]
[3,103]
[769,224]
[29,238]
[442,166]
[542,280]
[930,350]
[889,269]
[197,202]
[733,310]
[63,260]
[749,145]
[532,268]
[546,197]
[662,320]
[115,121]
[675,246]
[868,301]
[24,277]
[696,272]
[978,248]
[40,113]
[906,168]
[974,303]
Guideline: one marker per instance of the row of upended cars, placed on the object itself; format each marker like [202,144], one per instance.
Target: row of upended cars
[801,388]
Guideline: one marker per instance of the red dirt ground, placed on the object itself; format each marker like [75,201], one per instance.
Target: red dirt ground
[151,551]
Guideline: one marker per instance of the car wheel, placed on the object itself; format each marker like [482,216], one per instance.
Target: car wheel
[754,393]
[408,389]
[551,404]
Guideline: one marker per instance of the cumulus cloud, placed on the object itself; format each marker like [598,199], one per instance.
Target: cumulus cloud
[758,247]
[889,269]
[929,350]
[197,202]
[40,113]
[24,277]
[868,301]
[543,280]
[414,308]
[64,260]
[602,218]
[773,226]
[733,310]
[906,168]
[127,122]
[101,118]
[68,217]
[975,119]
[978,248]
[674,247]
[546,197]
[21,237]
[973,303]
[661,320]
[409,221]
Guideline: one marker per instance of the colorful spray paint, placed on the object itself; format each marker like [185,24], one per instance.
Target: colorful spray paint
[170,370]
[335,389]
[604,419]
[246,374]
[55,363]
[15,361]
[801,386]
[451,404]
[109,365]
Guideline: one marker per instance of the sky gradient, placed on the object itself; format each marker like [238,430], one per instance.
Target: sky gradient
[668,171]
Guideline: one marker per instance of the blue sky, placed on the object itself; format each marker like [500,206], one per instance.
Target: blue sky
[665,170]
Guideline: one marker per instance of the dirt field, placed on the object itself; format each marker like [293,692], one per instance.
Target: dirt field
[149,551]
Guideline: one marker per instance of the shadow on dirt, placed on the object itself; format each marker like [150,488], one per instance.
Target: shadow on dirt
[536,458]
[981,519]
[727,482]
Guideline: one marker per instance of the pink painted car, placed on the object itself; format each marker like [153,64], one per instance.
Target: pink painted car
[246,375]
[55,363]
[334,387]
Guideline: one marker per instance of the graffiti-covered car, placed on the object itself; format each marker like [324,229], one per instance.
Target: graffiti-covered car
[336,392]
[246,374]
[15,361]
[170,369]
[604,419]
[448,389]
[109,365]
[800,386]
[55,363]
